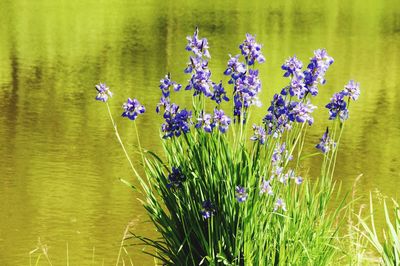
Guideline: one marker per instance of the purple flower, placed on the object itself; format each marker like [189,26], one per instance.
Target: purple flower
[200,79]
[240,194]
[246,91]
[176,121]
[352,89]
[259,134]
[197,46]
[297,86]
[103,92]
[266,188]
[301,112]
[205,121]
[132,108]
[208,209]
[315,72]
[292,66]
[325,143]
[338,107]
[219,93]
[251,50]
[164,102]
[280,204]
[298,180]
[167,83]
[176,178]
[235,69]
[221,120]
[277,119]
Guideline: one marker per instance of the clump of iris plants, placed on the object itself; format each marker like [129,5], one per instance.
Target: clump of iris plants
[231,190]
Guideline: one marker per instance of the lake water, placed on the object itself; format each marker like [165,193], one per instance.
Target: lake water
[60,161]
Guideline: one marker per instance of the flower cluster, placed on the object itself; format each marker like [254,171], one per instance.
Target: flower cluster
[176,121]
[338,107]
[304,82]
[200,80]
[326,143]
[208,209]
[266,187]
[176,178]
[246,82]
[209,122]
[281,114]
[132,108]
[103,92]
[251,50]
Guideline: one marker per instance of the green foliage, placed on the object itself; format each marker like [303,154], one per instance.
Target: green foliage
[239,233]
[388,248]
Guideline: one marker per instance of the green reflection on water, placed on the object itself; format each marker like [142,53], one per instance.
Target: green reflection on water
[60,160]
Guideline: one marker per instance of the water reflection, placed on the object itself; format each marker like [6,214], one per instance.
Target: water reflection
[60,161]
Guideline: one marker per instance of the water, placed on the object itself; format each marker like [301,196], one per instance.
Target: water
[60,161]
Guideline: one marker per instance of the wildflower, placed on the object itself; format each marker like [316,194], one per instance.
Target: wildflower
[167,83]
[176,178]
[208,209]
[164,102]
[132,108]
[176,121]
[251,50]
[280,204]
[277,120]
[241,194]
[337,106]
[235,69]
[266,188]
[246,91]
[315,72]
[301,112]
[325,142]
[259,134]
[292,66]
[103,92]
[219,93]
[197,46]
[352,90]
[205,121]
[221,120]
[297,86]
[298,180]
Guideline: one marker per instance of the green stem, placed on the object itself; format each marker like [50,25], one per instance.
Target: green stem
[122,144]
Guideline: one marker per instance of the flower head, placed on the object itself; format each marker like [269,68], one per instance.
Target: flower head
[205,121]
[338,107]
[352,89]
[240,194]
[221,120]
[219,93]
[235,68]
[325,143]
[301,112]
[315,72]
[167,83]
[176,121]
[259,134]
[132,108]
[103,92]
[266,188]
[198,46]
[292,66]
[251,50]
[175,178]
[280,204]
[208,209]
